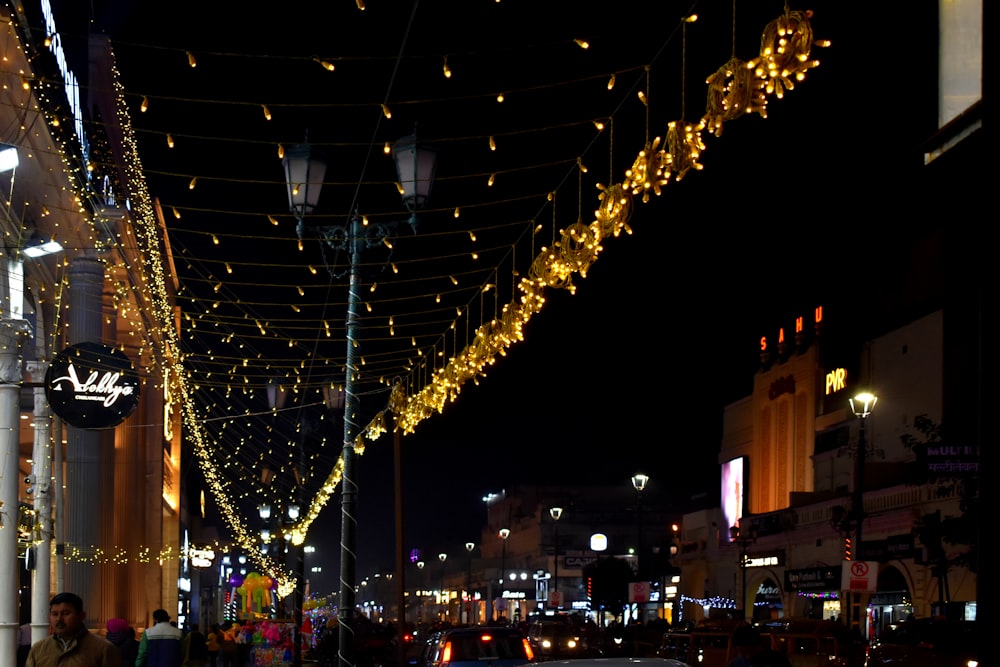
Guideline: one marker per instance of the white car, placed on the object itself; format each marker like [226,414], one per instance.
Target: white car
[617,662]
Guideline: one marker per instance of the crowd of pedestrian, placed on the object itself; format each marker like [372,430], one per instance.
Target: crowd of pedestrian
[163,644]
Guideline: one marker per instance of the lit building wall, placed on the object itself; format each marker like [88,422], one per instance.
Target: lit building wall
[774,428]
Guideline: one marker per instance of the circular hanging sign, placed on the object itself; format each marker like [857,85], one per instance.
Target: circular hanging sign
[92,386]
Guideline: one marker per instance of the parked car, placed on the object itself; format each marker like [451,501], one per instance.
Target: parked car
[926,642]
[481,646]
[707,645]
[812,642]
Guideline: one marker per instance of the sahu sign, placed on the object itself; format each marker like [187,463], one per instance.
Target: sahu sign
[92,386]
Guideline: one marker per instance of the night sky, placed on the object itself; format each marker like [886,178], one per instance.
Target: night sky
[633,371]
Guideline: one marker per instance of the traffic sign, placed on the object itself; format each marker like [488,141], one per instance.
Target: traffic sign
[859,576]
[638,591]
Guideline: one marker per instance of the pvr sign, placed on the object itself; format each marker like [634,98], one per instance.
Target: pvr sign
[859,576]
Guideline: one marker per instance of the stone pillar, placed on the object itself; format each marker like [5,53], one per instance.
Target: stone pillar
[12,331]
[41,456]
[83,513]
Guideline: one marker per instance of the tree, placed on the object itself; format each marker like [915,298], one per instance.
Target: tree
[609,580]
[953,470]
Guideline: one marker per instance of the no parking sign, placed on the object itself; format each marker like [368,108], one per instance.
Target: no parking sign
[638,591]
[859,576]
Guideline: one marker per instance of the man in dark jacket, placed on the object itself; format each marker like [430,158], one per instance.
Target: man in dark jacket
[160,645]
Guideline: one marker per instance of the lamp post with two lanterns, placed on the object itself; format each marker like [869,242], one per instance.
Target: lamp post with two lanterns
[305,170]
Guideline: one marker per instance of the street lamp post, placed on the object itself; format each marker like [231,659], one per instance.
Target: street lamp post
[441,596]
[639,481]
[503,535]
[556,514]
[420,605]
[744,540]
[862,406]
[469,548]
[305,169]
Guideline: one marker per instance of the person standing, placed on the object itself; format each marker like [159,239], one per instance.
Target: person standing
[213,641]
[195,648]
[160,645]
[122,635]
[69,641]
[23,643]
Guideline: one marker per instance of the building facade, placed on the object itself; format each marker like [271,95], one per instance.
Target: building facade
[780,546]
[98,502]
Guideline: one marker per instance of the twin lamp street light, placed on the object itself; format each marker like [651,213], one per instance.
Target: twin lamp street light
[305,171]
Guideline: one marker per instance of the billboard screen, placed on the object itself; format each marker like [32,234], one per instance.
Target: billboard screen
[734,490]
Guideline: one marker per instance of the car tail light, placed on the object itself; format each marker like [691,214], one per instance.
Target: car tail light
[446,654]
[527,650]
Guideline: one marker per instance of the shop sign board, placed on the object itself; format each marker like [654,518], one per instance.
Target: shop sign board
[92,386]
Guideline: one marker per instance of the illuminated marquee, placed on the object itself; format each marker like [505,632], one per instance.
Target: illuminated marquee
[799,328]
[201,557]
[70,84]
[836,380]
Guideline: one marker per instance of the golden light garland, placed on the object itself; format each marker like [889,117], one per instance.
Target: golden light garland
[685,146]
[785,51]
[733,90]
[650,171]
